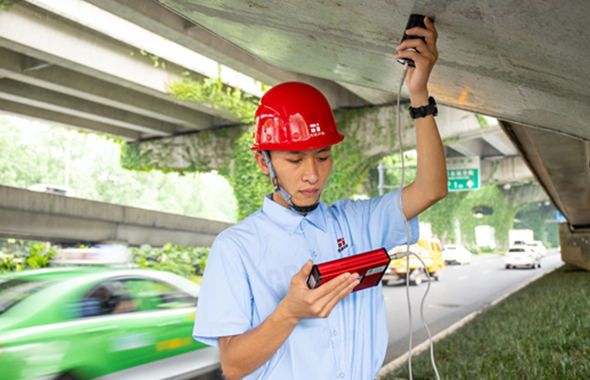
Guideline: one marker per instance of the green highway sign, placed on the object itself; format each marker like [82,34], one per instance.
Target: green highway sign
[463,173]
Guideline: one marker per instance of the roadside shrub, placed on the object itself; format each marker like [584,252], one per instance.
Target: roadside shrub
[7,263]
[184,261]
[474,249]
[487,249]
[26,255]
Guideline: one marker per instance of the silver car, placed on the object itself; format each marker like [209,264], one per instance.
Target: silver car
[538,246]
[456,254]
[522,256]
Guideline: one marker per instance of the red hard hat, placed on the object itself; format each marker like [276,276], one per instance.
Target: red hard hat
[294,116]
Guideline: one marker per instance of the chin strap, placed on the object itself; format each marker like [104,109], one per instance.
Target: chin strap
[286,196]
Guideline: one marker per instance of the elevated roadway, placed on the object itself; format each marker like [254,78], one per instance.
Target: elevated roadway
[26,214]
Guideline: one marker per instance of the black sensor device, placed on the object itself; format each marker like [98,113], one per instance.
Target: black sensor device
[414,21]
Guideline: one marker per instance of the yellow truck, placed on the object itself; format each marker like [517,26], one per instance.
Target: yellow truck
[429,250]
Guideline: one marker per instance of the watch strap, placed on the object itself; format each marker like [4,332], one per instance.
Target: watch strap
[424,111]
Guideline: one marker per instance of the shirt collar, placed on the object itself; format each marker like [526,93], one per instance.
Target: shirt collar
[288,219]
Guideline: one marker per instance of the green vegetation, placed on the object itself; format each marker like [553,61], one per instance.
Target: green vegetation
[19,255]
[350,161]
[184,261]
[7,4]
[33,153]
[213,91]
[493,198]
[189,262]
[502,211]
[249,184]
[541,218]
[540,332]
[154,58]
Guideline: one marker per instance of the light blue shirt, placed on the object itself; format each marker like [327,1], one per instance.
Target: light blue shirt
[250,268]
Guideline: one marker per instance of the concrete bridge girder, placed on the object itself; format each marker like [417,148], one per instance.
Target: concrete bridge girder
[44,115]
[31,215]
[575,246]
[38,97]
[72,71]
[208,147]
[71,83]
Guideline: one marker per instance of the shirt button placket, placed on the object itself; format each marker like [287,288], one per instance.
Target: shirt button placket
[334,334]
[309,234]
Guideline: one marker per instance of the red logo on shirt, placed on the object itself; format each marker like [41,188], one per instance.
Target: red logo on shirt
[341,244]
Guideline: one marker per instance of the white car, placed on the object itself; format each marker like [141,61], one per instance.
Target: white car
[538,246]
[522,256]
[456,254]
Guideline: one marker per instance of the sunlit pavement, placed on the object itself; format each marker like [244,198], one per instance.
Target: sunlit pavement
[462,290]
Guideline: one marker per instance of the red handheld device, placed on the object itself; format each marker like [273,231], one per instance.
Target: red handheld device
[369,265]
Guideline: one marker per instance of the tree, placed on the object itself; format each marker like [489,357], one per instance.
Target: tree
[32,153]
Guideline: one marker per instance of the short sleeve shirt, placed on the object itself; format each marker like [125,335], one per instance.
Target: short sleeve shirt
[249,272]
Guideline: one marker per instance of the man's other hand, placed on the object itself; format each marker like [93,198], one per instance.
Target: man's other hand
[303,303]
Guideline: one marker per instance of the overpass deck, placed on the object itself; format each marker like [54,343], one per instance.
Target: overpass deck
[30,215]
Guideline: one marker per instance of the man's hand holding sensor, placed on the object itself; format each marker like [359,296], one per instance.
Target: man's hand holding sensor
[303,303]
[242,354]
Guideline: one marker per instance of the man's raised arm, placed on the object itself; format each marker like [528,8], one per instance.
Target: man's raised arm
[431,173]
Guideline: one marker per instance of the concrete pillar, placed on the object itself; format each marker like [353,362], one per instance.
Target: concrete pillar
[575,247]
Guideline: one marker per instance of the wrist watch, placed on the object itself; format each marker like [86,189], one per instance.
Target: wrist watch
[424,111]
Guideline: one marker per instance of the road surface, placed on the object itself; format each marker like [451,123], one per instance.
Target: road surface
[462,290]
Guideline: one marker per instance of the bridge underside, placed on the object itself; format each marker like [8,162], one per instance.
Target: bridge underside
[513,61]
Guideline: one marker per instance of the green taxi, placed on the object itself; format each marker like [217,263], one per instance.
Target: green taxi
[92,322]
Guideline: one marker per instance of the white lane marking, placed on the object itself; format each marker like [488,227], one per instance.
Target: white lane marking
[400,360]
[463,277]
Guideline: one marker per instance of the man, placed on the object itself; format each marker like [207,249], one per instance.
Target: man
[254,302]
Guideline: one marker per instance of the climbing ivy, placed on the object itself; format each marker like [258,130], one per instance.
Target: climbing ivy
[441,216]
[199,152]
[213,91]
[246,179]
[392,174]
[539,217]
[462,206]
[352,161]
[369,136]
[483,123]
[348,166]
[348,173]
[7,4]
[501,218]
[154,58]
